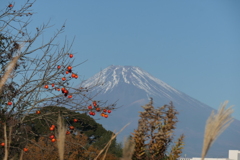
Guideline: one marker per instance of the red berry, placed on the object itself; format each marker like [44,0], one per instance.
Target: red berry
[70,96]
[58,67]
[10,5]
[71,55]
[71,127]
[2,144]
[9,103]
[67,72]
[46,86]
[104,110]
[75,120]
[53,85]
[109,111]
[64,79]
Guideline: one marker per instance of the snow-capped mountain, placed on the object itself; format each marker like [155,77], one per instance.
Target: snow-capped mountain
[132,87]
[114,75]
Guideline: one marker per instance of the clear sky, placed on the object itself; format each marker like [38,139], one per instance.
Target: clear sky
[192,45]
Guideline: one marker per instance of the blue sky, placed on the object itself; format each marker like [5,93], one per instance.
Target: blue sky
[194,46]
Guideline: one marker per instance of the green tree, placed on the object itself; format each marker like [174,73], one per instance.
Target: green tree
[97,135]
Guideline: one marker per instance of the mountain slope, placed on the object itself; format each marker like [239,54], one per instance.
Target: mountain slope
[132,87]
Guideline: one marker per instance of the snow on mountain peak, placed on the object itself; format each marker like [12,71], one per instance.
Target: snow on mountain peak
[112,76]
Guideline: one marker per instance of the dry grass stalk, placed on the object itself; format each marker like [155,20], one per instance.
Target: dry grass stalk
[6,142]
[110,141]
[128,149]
[108,145]
[61,137]
[11,66]
[9,136]
[21,155]
[216,124]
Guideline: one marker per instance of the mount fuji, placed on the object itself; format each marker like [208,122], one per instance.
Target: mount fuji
[132,87]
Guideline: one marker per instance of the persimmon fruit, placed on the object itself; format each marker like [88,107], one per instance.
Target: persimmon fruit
[90,113]
[89,107]
[51,136]
[25,149]
[71,127]
[69,67]
[52,128]
[94,103]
